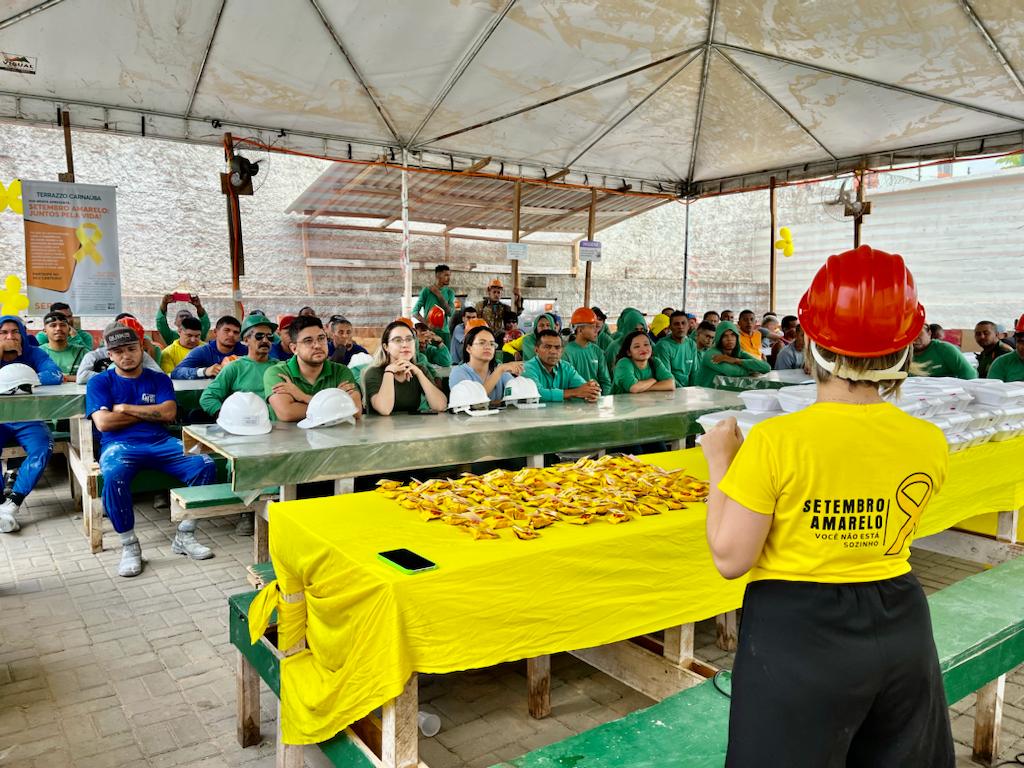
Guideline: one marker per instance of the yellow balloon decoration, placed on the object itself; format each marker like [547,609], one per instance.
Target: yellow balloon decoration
[785,241]
[12,300]
[11,197]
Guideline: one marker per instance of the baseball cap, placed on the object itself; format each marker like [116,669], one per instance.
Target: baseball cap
[120,337]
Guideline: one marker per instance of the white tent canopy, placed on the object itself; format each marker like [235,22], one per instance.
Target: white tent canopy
[691,95]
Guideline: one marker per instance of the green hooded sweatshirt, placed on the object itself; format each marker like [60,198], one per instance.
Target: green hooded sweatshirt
[629,319]
[529,347]
[707,370]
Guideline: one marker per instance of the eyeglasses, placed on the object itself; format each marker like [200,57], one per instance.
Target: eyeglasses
[259,336]
[484,344]
[314,341]
[402,340]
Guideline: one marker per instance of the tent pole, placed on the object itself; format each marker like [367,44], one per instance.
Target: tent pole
[773,212]
[234,226]
[859,218]
[686,252]
[517,194]
[591,221]
[406,267]
[65,119]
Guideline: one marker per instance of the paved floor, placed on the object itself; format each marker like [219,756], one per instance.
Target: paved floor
[97,671]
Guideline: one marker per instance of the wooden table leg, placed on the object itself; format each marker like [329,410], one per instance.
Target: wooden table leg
[675,445]
[344,485]
[92,512]
[247,699]
[727,630]
[1006,526]
[679,644]
[535,462]
[538,679]
[288,755]
[261,534]
[988,717]
[400,728]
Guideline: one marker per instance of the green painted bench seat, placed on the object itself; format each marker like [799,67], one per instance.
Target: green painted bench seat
[217,495]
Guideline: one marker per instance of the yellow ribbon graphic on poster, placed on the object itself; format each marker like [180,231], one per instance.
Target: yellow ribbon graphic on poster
[88,235]
[12,300]
[10,197]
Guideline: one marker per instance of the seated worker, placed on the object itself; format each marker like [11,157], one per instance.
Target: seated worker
[421,359]
[307,311]
[637,370]
[437,294]
[206,360]
[246,374]
[750,337]
[933,357]
[432,346]
[659,326]
[76,338]
[282,348]
[710,317]
[512,329]
[481,366]
[694,322]
[131,406]
[98,360]
[792,355]
[33,436]
[190,336]
[704,338]
[584,353]
[290,384]
[725,358]
[726,314]
[986,335]
[129,320]
[396,384]
[525,346]
[58,345]
[630,319]
[344,345]
[1010,367]
[678,350]
[605,338]
[459,332]
[772,337]
[170,335]
[555,378]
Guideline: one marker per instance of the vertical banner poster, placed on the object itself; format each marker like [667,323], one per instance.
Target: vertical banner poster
[71,247]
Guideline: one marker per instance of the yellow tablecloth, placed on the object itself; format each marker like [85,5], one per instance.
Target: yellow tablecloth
[369,626]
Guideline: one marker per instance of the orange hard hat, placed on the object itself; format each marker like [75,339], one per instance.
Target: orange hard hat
[1019,328]
[495,283]
[135,325]
[406,321]
[583,315]
[862,303]
[435,317]
[476,322]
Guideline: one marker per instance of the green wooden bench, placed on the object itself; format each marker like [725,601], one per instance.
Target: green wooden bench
[201,501]
[979,633]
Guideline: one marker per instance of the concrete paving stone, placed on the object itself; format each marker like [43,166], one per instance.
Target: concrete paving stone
[434,754]
[157,710]
[32,743]
[126,757]
[59,758]
[185,755]
[155,739]
[143,665]
[111,721]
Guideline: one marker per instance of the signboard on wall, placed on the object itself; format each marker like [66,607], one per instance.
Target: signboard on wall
[516,251]
[71,247]
[590,250]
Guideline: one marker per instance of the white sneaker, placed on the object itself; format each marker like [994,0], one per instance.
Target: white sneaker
[131,560]
[8,521]
[185,543]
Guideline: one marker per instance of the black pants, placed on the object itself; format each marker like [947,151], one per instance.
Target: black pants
[838,676]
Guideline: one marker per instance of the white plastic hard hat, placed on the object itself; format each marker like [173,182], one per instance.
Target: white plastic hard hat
[17,378]
[470,397]
[329,407]
[360,360]
[522,392]
[244,413]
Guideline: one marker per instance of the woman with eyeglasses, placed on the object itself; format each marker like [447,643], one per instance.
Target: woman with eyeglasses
[480,366]
[394,383]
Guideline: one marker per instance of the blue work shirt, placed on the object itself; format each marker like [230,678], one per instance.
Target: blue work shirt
[204,356]
[107,389]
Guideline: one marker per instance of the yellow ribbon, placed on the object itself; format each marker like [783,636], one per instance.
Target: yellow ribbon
[12,300]
[88,235]
[785,242]
[11,197]
[291,616]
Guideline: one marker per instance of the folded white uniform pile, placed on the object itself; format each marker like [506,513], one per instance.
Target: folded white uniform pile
[969,413]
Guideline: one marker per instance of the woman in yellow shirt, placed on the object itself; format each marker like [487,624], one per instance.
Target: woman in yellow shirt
[836,664]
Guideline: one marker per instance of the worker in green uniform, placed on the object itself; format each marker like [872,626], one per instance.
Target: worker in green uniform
[555,378]
[432,346]
[58,345]
[584,353]
[678,350]
[725,358]
[76,338]
[246,374]
[437,295]
[630,319]
[605,338]
[170,335]
[939,358]
[1010,367]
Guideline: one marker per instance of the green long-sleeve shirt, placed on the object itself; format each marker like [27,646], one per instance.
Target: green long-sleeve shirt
[589,363]
[437,354]
[241,375]
[1007,368]
[627,374]
[940,358]
[552,384]
[169,335]
[680,357]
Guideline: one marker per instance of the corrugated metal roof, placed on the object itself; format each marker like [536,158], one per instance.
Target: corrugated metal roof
[464,201]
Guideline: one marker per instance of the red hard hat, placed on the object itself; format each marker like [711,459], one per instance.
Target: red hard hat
[135,325]
[583,315]
[1020,325]
[435,317]
[862,303]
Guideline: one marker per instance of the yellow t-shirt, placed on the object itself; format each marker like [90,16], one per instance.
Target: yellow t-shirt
[172,355]
[847,485]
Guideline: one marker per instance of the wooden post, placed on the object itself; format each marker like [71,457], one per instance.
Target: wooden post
[400,728]
[287,755]
[1006,526]
[517,194]
[247,701]
[405,260]
[771,245]
[686,255]
[858,219]
[538,678]
[591,221]
[727,630]
[988,717]
[65,119]
[234,226]
[678,647]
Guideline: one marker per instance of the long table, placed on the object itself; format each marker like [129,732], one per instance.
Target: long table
[67,401]
[770,380]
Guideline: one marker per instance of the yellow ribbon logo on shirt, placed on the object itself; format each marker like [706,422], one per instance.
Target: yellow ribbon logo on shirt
[88,235]
[11,197]
[912,497]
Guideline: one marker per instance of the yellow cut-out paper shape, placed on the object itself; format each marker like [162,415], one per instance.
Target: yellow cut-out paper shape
[10,197]
[785,242]
[12,300]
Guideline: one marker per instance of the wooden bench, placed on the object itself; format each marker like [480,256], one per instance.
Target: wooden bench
[201,501]
[979,633]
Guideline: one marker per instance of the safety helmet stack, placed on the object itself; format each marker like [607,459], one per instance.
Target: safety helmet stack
[522,392]
[329,407]
[470,397]
[16,378]
[244,413]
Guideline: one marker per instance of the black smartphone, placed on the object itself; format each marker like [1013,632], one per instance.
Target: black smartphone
[406,561]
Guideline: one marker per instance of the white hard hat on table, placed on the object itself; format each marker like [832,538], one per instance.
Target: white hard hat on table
[244,413]
[329,407]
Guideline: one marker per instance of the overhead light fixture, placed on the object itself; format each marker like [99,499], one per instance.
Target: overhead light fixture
[242,171]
